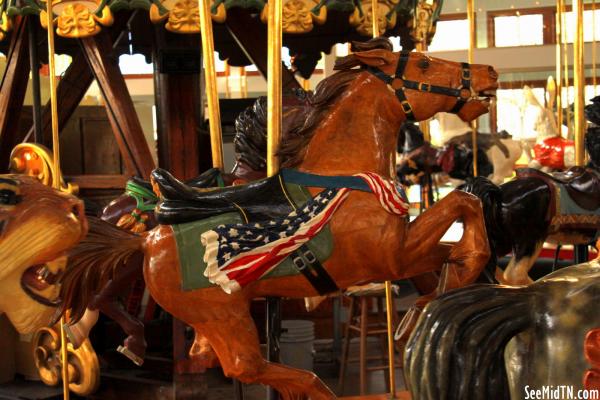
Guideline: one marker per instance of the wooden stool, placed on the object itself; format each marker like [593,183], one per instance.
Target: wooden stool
[361,300]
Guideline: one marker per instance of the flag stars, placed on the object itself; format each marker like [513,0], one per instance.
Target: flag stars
[233,232]
[235,246]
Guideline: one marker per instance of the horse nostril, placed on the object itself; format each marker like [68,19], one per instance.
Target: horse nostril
[493,73]
[77,210]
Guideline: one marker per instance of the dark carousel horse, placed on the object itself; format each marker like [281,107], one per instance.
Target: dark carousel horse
[522,214]
[494,342]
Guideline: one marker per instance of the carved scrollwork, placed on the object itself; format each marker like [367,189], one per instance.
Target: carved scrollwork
[83,366]
[423,23]
[35,160]
[299,16]
[183,16]
[363,18]
[78,19]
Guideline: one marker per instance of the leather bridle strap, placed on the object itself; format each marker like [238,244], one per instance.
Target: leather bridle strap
[462,94]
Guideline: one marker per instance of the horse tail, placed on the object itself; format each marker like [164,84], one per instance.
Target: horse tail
[457,348]
[490,195]
[91,264]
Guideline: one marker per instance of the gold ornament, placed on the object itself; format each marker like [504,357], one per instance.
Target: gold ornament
[422,23]
[77,19]
[184,17]
[35,160]
[364,23]
[84,369]
[5,25]
[298,16]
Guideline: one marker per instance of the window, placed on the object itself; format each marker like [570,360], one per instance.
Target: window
[516,115]
[519,30]
[450,35]
[589,28]
[134,64]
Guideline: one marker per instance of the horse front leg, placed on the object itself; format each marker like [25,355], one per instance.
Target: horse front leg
[461,263]
[107,301]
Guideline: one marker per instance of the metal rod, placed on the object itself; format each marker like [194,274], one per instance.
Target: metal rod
[56,177]
[274,85]
[594,46]
[559,85]
[566,69]
[472,44]
[388,284]
[34,64]
[579,83]
[212,96]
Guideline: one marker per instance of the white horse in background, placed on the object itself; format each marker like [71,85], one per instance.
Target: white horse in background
[450,126]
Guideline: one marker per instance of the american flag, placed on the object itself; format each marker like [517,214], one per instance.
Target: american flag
[238,254]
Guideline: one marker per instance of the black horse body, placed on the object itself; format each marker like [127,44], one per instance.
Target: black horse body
[518,214]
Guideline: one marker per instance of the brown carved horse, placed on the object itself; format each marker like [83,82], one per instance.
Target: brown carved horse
[351,127]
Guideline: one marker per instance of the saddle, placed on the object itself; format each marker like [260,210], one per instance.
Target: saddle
[582,184]
[257,201]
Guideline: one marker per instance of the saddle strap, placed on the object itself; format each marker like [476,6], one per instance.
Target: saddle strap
[307,264]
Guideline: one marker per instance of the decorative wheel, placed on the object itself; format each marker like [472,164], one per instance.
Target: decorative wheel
[84,369]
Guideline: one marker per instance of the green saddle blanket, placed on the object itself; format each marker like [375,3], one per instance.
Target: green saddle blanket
[191,251]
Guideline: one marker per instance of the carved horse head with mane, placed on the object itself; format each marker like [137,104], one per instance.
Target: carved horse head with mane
[37,226]
[350,127]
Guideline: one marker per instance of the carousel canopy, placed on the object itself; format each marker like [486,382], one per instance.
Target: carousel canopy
[310,26]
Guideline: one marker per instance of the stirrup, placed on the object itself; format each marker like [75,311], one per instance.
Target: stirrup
[137,360]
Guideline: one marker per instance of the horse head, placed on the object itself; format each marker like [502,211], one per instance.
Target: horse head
[427,85]
[37,227]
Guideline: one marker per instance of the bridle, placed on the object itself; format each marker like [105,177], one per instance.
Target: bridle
[462,94]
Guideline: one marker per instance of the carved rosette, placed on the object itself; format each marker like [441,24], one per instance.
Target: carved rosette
[182,16]
[299,16]
[36,161]
[386,18]
[84,369]
[78,19]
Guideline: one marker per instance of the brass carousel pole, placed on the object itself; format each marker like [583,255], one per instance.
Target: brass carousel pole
[274,122]
[388,285]
[56,180]
[566,68]
[471,18]
[594,47]
[212,96]
[579,83]
[559,85]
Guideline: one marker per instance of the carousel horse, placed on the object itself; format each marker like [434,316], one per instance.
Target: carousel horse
[198,265]
[537,207]
[496,157]
[502,342]
[37,227]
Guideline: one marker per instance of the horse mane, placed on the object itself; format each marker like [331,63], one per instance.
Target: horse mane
[87,273]
[300,119]
[457,348]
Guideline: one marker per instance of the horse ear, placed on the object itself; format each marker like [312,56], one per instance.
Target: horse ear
[376,57]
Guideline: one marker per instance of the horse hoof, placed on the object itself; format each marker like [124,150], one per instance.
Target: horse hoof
[137,360]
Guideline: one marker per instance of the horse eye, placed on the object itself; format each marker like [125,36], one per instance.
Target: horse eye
[9,198]
[423,64]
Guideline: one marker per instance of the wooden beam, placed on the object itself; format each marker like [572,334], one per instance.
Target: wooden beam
[122,115]
[12,91]
[98,181]
[251,36]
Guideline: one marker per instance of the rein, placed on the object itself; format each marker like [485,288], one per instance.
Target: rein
[146,200]
[462,94]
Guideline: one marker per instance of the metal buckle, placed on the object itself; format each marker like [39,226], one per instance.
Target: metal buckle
[424,87]
[299,263]
[466,74]
[406,107]
[310,257]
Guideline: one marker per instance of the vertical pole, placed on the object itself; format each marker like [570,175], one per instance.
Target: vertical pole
[594,46]
[566,68]
[472,44]
[274,110]
[579,83]
[274,87]
[34,63]
[56,177]
[388,284]
[208,57]
[559,85]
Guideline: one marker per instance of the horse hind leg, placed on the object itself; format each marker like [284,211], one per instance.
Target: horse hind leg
[235,342]
[134,346]
[200,357]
